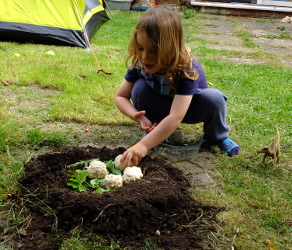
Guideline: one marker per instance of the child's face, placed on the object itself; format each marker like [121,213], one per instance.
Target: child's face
[145,53]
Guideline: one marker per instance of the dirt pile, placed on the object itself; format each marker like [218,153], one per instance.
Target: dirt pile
[158,208]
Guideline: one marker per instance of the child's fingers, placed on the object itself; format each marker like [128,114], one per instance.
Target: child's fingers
[140,114]
[135,161]
[149,129]
[123,157]
[127,158]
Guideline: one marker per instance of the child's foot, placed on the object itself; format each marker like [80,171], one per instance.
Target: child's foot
[228,146]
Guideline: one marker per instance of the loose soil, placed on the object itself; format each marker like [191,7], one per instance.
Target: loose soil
[158,208]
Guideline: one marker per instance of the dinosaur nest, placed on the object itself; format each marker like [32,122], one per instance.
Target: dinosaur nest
[158,207]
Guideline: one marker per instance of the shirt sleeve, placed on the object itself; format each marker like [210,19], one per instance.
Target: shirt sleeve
[132,75]
[191,87]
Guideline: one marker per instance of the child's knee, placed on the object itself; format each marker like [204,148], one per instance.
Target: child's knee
[139,89]
[213,97]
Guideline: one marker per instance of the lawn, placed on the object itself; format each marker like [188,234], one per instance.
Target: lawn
[48,100]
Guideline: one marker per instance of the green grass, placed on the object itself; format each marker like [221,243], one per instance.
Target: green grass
[76,242]
[257,198]
[87,99]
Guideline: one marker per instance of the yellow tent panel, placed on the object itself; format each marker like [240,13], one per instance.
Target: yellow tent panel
[51,21]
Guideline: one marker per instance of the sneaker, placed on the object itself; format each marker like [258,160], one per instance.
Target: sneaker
[228,146]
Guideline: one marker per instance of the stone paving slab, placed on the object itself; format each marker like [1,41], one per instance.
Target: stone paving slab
[228,47]
[270,35]
[274,46]
[219,30]
[225,42]
[287,62]
[267,28]
[197,169]
[219,27]
[244,60]
[226,39]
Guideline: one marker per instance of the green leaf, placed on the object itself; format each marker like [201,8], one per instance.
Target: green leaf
[94,183]
[78,180]
[109,164]
[81,175]
[81,164]
[99,191]
[81,188]
[72,184]
[111,167]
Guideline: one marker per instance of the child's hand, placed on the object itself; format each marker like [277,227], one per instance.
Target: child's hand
[134,155]
[145,124]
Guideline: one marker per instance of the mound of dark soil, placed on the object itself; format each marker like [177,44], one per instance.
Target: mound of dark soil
[129,215]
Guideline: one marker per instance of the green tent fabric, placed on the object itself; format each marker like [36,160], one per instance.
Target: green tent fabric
[58,22]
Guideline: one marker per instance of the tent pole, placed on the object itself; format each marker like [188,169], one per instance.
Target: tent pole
[80,19]
[89,44]
[108,8]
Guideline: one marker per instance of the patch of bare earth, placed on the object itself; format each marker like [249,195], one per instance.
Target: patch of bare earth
[158,207]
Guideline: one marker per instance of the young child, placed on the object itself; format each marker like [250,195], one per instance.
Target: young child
[165,87]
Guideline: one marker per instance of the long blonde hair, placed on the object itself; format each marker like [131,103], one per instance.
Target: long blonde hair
[163,27]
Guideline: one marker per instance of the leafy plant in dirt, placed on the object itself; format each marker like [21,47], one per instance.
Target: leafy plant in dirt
[81,182]
[78,180]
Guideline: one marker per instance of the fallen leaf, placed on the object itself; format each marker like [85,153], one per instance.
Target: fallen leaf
[103,71]
[87,128]
[22,231]
[271,244]
[6,83]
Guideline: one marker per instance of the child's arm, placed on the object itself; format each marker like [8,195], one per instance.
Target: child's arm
[123,103]
[161,132]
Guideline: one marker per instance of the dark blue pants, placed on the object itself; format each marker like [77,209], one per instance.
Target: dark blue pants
[208,106]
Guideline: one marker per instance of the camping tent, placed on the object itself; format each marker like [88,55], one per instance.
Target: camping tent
[59,22]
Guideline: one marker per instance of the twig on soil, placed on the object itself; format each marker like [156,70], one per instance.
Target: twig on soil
[191,224]
[102,212]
